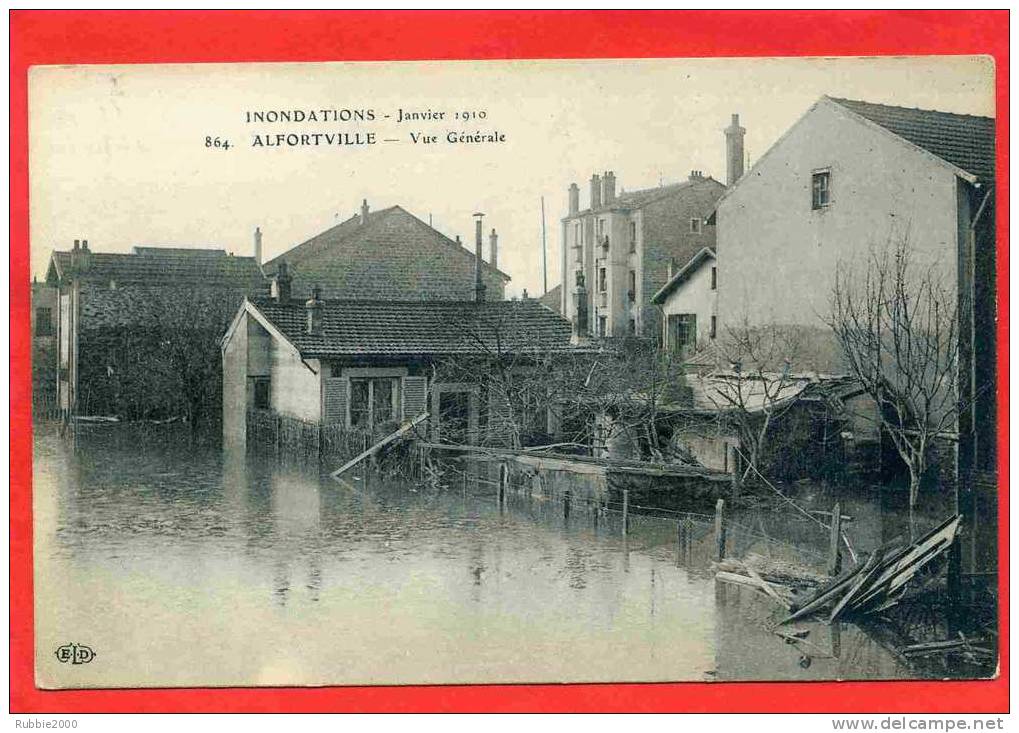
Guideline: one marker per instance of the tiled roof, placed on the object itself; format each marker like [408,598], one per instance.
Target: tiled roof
[409,328]
[642,197]
[394,256]
[965,141]
[157,266]
[160,306]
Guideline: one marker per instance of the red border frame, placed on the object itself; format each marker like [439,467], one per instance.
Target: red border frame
[83,37]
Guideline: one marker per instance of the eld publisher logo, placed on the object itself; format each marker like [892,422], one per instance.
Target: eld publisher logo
[75,654]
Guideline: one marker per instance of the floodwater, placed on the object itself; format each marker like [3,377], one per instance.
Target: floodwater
[179,566]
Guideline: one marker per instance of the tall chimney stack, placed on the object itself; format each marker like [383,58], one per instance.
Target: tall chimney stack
[258,246]
[364,212]
[493,249]
[734,151]
[574,198]
[479,284]
[595,191]
[608,188]
[283,282]
[581,327]
[314,308]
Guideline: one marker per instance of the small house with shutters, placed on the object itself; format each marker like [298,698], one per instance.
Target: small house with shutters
[368,365]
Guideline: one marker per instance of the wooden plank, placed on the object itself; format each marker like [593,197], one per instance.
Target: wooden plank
[870,569]
[834,561]
[403,430]
[768,589]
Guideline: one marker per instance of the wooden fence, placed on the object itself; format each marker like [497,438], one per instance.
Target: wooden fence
[292,438]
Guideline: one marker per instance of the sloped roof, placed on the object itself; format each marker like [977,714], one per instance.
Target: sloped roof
[642,197]
[965,141]
[159,266]
[394,256]
[684,273]
[553,299]
[161,306]
[421,328]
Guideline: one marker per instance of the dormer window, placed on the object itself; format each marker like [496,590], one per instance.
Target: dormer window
[820,189]
[695,225]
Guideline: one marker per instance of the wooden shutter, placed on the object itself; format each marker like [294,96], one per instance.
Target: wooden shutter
[415,396]
[335,408]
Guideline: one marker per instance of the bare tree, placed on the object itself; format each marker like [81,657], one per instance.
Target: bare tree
[639,385]
[898,327]
[758,387]
[523,377]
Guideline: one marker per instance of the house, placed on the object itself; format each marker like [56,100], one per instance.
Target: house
[389,254]
[134,330]
[616,252]
[689,303]
[822,425]
[852,175]
[44,345]
[366,366]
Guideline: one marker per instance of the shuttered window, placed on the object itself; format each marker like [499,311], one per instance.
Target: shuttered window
[415,396]
[335,400]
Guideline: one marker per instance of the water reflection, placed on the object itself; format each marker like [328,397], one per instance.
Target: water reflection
[187,566]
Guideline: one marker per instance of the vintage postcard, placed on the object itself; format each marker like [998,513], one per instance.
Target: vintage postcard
[403,373]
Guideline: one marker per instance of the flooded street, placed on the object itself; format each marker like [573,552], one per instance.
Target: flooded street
[246,572]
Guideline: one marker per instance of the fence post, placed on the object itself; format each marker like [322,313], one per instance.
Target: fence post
[626,509]
[503,480]
[834,556]
[719,531]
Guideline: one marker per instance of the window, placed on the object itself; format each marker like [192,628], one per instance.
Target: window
[262,395]
[820,190]
[633,326]
[714,278]
[682,335]
[603,326]
[632,292]
[373,401]
[578,234]
[43,322]
[695,225]
[633,236]
[714,326]
[602,280]
[601,227]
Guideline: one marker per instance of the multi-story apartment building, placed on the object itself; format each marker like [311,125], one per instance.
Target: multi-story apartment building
[616,254]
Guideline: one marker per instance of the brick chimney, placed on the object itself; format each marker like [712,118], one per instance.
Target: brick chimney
[479,284]
[574,198]
[314,308]
[734,151]
[364,212]
[595,191]
[493,249]
[282,283]
[258,246]
[608,188]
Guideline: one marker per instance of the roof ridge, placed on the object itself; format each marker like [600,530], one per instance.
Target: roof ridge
[452,242]
[373,217]
[911,109]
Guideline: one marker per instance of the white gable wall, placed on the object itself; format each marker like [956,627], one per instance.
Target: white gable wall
[777,256]
[694,296]
[294,389]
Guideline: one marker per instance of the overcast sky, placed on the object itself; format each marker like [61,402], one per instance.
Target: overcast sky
[118,156]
